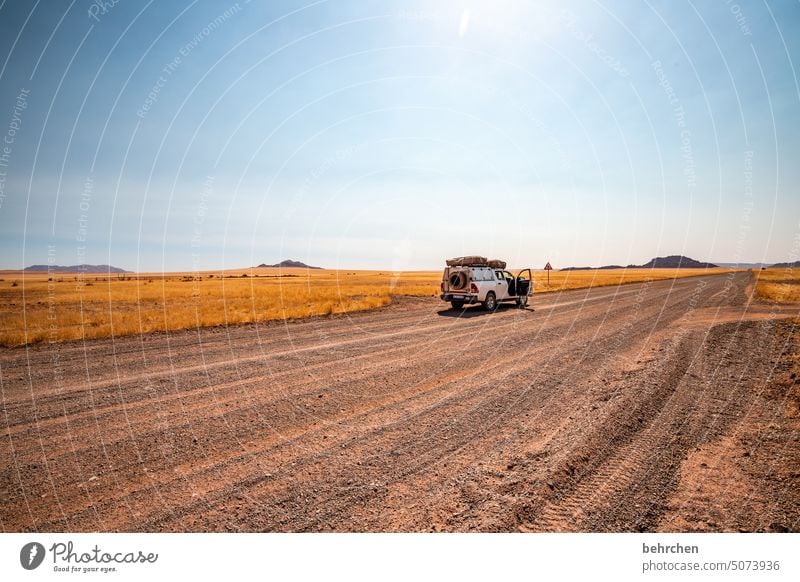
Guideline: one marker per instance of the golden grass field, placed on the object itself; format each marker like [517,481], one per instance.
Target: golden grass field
[781,285]
[37,308]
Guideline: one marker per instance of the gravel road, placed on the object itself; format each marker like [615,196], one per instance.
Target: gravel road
[670,405]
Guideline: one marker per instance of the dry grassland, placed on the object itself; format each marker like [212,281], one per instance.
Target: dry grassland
[37,308]
[781,285]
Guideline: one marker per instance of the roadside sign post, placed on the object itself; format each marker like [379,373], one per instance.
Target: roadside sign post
[548,268]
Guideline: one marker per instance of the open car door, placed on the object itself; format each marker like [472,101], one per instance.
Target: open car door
[524,286]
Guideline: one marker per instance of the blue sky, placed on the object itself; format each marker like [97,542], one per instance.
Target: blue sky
[391,135]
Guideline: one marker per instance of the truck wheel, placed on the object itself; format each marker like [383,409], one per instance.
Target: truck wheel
[522,302]
[457,305]
[490,304]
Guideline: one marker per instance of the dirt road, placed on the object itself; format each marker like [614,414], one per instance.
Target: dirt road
[664,406]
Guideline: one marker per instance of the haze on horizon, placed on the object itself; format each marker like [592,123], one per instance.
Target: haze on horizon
[391,135]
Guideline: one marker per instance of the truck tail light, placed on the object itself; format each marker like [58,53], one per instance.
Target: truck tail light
[473,288]
[442,286]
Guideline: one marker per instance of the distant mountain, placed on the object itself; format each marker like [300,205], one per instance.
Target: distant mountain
[794,265]
[76,269]
[287,264]
[676,262]
[671,262]
[743,265]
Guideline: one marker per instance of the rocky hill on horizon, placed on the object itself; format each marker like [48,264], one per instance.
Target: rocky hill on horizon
[792,265]
[670,262]
[287,264]
[676,262]
[75,269]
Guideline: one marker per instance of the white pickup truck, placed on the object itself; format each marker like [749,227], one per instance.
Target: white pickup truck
[469,280]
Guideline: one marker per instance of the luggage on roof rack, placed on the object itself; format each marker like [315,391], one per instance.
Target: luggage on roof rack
[497,264]
[474,261]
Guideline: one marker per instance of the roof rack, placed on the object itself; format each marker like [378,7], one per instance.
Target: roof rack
[476,261]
